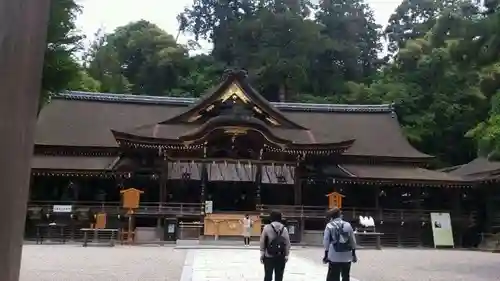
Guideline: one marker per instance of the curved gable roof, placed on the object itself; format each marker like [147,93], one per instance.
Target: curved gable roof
[86,119]
[235,85]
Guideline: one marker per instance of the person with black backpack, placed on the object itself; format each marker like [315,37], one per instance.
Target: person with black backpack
[340,247]
[274,248]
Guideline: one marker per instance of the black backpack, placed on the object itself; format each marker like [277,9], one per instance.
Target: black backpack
[277,246]
[341,243]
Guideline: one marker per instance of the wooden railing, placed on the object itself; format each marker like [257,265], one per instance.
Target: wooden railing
[354,213]
[297,211]
[145,208]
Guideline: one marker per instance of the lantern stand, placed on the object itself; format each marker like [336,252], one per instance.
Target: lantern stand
[130,201]
[334,200]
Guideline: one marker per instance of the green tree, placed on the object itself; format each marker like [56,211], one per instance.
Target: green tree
[352,47]
[280,62]
[439,99]
[60,67]
[83,82]
[203,73]
[215,20]
[487,133]
[443,71]
[412,19]
[102,65]
[140,58]
[480,49]
[286,53]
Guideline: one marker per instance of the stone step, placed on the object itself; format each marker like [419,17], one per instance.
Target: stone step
[221,244]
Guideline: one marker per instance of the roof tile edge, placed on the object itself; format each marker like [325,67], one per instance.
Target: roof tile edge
[159,100]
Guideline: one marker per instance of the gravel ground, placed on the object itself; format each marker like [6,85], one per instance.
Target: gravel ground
[420,265]
[121,263]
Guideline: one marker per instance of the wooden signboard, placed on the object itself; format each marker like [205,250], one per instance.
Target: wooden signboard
[334,200]
[229,225]
[131,198]
[100,220]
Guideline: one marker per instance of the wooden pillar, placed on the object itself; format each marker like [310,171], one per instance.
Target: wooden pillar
[119,181]
[417,196]
[75,191]
[297,196]
[400,190]
[163,182]
[456,215]
[204,179]
[31,186]
[488,207]
[456,208]
[162,196]
[23,26]
[377,203]
[258,181]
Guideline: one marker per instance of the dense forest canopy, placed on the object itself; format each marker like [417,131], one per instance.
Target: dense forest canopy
[441,69]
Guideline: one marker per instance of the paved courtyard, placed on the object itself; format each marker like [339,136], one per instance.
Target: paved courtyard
[422,265]
[121,263]
[244,265]
[155,263]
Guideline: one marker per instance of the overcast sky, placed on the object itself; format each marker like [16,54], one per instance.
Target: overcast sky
[110,14]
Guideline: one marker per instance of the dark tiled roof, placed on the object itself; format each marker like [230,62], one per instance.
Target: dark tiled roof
[86,119]
[89,122]
[284,106]
[479,168]
[398,173]
[176,131]
[72,163]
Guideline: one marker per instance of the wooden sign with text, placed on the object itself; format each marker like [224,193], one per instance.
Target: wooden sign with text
[100,220]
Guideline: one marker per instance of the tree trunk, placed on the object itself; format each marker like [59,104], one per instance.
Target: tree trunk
[23,27]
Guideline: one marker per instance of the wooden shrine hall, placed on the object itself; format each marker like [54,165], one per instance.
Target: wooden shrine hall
[205,162]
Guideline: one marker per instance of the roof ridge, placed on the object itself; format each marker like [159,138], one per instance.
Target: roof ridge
[286,106]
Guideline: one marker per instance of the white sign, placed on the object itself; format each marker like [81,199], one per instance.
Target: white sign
[442,231]
[209,207]
[62,209]
[171,228]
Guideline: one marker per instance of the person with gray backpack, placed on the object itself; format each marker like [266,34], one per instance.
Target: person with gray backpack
[340,247]
[274,248]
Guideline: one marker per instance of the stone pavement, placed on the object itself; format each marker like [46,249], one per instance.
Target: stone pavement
[393,264]
[165,263]
[244,265]
[120,263]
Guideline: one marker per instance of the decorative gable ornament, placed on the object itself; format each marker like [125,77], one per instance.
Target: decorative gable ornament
[235,92]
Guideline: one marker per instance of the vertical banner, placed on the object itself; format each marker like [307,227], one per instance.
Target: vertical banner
[441,230]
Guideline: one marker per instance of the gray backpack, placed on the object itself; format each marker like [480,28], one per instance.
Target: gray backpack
[341,242]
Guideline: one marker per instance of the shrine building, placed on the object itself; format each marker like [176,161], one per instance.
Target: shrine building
[209,161]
